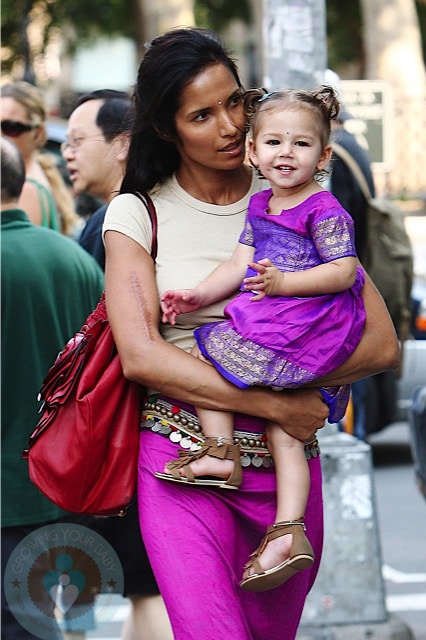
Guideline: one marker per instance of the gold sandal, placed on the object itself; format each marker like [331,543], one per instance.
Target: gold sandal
[215,447]
[301,557]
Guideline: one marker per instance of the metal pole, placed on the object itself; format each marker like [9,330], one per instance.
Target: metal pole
[294,43]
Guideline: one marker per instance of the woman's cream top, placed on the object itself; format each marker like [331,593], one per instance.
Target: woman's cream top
[193,238]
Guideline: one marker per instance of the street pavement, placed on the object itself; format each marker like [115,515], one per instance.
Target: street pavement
[401,513]
[401,518]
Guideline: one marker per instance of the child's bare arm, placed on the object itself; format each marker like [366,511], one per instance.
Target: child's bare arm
[219,284]
[330,277]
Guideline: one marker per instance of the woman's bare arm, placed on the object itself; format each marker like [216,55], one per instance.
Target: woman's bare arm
[379,348]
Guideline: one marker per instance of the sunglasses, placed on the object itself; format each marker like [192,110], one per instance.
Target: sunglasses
[14,129]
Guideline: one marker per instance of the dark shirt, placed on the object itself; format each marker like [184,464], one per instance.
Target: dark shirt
[91,236]
[345,188]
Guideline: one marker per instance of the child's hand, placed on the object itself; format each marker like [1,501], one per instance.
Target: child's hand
[174,303]
[268,282]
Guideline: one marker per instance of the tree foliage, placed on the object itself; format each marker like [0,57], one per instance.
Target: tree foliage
[345,34]
[216,14]
[92,18]
[88,19]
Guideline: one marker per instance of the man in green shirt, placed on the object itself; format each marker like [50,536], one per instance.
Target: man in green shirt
[49,286]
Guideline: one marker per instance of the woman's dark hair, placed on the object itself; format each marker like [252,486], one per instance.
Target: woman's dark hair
[171,62]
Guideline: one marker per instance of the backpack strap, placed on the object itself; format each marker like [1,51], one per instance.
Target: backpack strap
[352,164]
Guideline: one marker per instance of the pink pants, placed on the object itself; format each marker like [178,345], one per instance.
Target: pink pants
[198,541]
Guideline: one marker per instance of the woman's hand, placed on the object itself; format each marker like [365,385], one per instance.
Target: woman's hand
[300,412]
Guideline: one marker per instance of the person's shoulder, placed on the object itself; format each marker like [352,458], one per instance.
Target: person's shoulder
[32,186]
[128,202]
[57,243]
[95,222]
[98,214]
[326,205]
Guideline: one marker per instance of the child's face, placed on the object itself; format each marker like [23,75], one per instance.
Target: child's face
[287,148]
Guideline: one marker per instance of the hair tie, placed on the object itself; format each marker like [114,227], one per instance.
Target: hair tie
[266,96]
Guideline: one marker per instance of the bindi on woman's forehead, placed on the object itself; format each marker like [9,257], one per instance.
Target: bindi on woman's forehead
[219,102]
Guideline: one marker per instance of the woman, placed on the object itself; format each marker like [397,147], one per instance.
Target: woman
[45,197]
[187,150]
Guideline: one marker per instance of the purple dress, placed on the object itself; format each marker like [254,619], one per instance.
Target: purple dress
[286,342]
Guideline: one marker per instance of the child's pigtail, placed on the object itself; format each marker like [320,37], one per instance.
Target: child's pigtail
[251,101]
[329,101]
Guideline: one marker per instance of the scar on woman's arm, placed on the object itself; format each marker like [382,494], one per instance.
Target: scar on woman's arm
[145,314]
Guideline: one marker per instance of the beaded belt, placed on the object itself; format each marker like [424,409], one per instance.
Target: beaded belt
[184,428]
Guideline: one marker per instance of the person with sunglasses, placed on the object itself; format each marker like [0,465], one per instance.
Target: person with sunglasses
[45,196]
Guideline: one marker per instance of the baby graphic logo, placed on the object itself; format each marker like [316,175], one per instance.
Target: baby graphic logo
[61,578]
[63,584]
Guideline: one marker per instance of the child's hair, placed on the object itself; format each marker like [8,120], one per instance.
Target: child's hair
[322,103]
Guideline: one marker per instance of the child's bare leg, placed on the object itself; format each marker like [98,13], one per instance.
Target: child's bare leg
[217,424]
[291,471]
[293,482]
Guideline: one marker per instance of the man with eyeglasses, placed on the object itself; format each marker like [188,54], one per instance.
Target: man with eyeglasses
[95,154]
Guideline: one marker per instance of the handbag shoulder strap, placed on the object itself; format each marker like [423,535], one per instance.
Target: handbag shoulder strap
[150,207]
[354,167]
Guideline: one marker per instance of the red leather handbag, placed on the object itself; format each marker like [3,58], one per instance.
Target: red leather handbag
[83,453]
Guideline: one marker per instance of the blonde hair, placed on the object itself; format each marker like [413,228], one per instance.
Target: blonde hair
[32,99]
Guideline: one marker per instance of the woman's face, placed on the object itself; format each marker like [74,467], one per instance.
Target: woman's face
[210,121]
[26,143]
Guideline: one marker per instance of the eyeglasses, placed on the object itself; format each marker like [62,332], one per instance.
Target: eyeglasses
[75,143]
[14,128]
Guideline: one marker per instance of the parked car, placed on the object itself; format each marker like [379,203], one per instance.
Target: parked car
[419,308]
[414,352]
[417,420]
